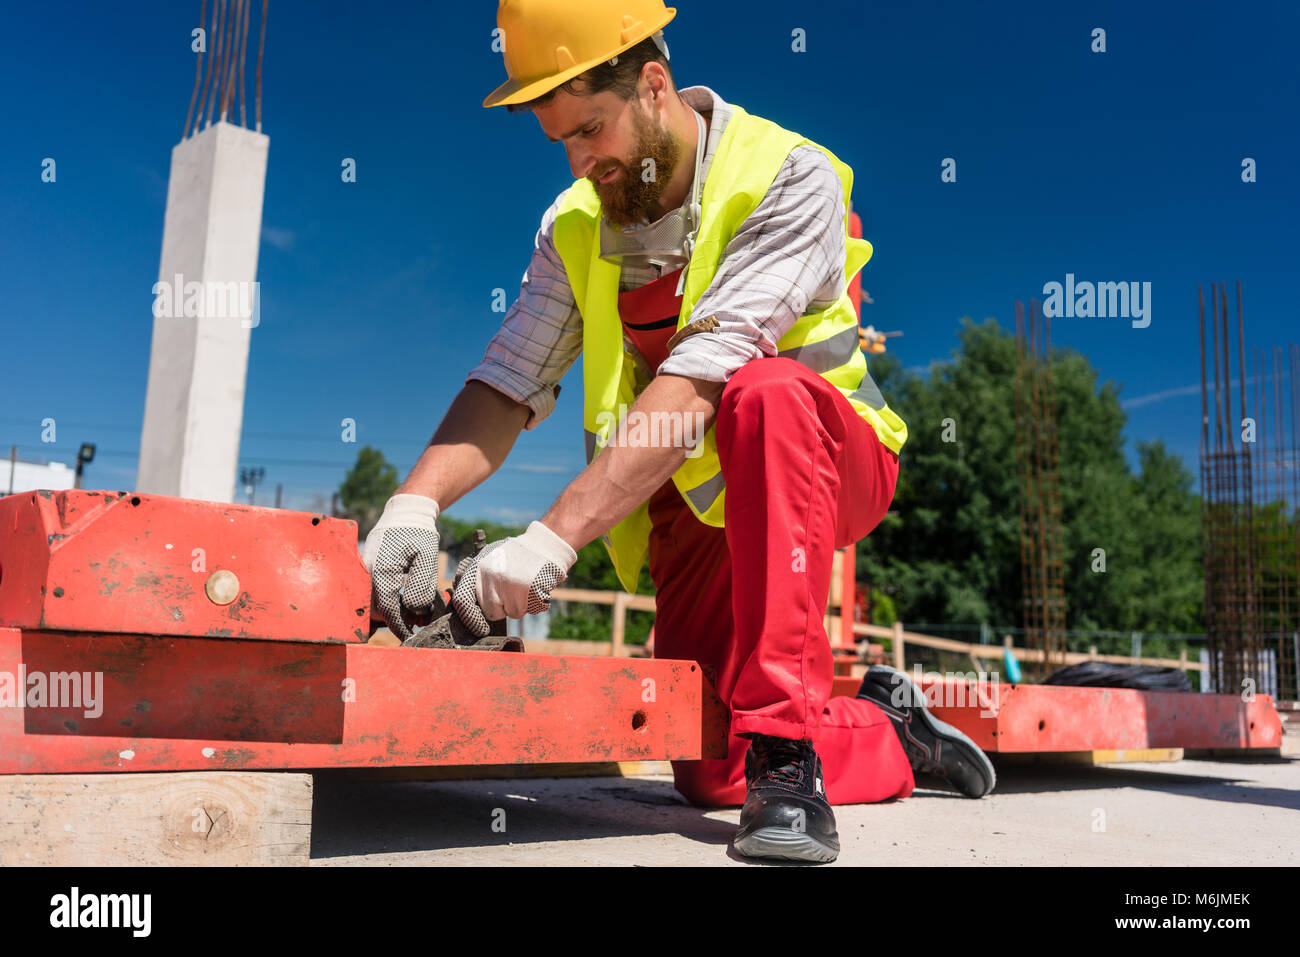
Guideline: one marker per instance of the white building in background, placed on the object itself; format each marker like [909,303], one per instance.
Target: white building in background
[198,363]
[207,299]
[20,476]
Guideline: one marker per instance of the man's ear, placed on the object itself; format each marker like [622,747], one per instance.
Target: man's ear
[656,79]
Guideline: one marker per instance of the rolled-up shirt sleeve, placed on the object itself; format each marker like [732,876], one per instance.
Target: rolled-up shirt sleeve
[541,335]
[787,257]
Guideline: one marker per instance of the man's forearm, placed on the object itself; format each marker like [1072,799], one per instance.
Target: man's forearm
[475,436]
[624,476]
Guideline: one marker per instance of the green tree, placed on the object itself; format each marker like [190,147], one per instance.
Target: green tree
[456,537]
[369,484]
[593,570]
[1171,586]
[949,551]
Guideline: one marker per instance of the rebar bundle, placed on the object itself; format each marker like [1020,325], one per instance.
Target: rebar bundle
[224,42]
[1250,487]
[1042,533]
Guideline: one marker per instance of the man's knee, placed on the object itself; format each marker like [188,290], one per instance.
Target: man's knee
[764,382]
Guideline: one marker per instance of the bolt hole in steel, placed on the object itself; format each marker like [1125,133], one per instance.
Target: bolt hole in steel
[315,521]
[135,500]
[58,593]
[1042,725]
[638,721]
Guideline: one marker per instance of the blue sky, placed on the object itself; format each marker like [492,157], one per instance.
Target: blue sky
[377,295]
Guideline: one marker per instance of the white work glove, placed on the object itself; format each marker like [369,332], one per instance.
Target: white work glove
[402,556]
[511,578]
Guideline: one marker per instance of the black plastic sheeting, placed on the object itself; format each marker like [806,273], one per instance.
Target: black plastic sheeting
[1102,674]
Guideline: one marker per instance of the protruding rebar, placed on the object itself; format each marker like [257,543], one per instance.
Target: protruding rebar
[198,71]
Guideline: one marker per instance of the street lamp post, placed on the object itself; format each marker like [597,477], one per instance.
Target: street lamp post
[85,455]
[250,479]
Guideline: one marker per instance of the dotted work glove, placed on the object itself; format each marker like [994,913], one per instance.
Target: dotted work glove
[402,556]
[511,578]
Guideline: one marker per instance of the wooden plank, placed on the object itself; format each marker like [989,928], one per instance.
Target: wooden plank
[1094,758]
[181,818]
[617,625]
[634,602]
[1023,654]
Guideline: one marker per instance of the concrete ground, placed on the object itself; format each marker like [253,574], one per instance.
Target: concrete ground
[1191,812]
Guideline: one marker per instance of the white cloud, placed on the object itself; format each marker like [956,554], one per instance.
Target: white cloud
[1141,400]
[1184,390]
[544,469]
[510,514]
[281,239]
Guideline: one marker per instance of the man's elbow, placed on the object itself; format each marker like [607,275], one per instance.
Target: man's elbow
[699,394]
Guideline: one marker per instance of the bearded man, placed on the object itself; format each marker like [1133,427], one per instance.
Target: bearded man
[699,264]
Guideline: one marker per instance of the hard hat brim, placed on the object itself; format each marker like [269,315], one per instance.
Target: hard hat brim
[514,91]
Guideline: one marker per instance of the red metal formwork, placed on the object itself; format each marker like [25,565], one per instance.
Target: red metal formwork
[98,561]
[1006,718]
[216,704]
[151,633]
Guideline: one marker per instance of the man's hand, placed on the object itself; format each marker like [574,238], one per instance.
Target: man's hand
[402,556]
[511,578]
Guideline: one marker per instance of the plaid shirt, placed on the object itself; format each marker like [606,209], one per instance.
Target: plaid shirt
[786,259]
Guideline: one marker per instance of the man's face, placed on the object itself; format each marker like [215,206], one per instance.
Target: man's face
[609,142]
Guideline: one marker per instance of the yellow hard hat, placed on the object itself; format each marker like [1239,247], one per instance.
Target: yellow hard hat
[548,42]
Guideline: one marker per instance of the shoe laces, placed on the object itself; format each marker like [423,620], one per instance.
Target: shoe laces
[921,761]
[926,766]
[782,760]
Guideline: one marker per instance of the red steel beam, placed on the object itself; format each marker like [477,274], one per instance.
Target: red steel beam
[93,561]
[171,704]
[1006,718]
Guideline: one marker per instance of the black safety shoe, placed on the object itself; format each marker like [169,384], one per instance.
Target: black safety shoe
[786,814]
[931,745]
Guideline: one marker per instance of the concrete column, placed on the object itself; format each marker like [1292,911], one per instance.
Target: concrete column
[205,308]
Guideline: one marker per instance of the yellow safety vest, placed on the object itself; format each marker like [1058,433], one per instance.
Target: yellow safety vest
[749,156]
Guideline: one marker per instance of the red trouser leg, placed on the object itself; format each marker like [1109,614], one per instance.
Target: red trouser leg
[805,474]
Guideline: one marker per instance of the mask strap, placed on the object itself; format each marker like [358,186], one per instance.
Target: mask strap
[696,186]
[696,211]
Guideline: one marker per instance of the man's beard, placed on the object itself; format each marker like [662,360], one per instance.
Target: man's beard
[630,197]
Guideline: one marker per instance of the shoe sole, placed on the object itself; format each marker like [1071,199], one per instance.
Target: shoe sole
[787,845]
[945,732]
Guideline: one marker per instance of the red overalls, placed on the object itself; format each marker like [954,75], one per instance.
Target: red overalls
[805,474]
